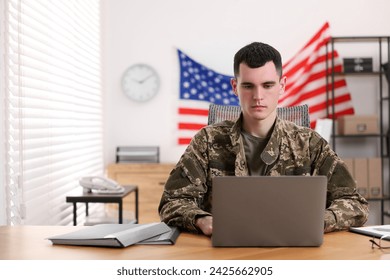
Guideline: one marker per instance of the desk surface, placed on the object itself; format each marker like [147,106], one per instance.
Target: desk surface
[29,242]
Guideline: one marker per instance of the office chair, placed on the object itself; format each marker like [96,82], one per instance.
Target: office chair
[297,114]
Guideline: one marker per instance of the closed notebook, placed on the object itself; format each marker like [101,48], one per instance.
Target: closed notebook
[111,235]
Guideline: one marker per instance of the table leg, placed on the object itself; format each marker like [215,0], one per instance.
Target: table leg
[74,214]
[120,214]
[136,206]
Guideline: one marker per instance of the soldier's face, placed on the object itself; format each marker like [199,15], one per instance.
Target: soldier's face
[258,90]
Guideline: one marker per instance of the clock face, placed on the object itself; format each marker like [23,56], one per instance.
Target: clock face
[140,82]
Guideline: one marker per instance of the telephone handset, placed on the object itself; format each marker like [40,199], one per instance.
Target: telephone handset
[101,185]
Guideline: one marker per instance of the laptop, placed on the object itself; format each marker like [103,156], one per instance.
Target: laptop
[268,211]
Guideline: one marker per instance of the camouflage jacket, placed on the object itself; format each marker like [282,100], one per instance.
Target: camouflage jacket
[218,150]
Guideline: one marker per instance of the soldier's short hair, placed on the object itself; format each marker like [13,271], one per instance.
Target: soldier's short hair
[256,55]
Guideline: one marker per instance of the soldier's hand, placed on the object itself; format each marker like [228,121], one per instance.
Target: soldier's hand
[205,224]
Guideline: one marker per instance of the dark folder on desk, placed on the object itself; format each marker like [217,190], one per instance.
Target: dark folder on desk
[113,235]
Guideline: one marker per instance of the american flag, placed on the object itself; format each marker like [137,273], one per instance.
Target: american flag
[306,84]
[306,79]
[199,86]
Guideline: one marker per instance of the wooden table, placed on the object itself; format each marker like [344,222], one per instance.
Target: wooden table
[29,242]
[92,197]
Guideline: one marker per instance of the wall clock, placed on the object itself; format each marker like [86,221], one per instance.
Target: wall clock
[140,82]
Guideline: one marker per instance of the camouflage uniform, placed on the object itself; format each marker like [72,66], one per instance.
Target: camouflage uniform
[218,150]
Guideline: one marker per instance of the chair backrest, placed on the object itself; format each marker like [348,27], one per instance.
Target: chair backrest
[297,114]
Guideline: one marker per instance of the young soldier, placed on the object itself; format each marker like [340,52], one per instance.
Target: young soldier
[258,143]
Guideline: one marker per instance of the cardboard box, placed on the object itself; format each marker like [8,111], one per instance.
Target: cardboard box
[375,177]
[361,175]
[358,124]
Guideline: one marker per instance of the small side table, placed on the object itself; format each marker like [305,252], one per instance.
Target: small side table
[104,198]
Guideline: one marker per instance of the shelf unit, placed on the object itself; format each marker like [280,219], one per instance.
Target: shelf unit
[383,137]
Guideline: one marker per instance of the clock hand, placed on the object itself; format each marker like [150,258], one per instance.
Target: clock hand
[144,79]
[135,80]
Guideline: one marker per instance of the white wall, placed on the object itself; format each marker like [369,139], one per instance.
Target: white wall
[149,31]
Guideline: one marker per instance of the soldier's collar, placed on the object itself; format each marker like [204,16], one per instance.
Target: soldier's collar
[271,151]
[236,130]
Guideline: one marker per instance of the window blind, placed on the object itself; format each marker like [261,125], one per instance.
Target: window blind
[53,106]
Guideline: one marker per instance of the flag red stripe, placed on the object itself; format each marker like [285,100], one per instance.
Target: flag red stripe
[184,141]
[297,89]
[322,106]
[320,59]
[337,84]
[318,91]
[348,111]
[312,78]
[191,111]
[304,63]
[310,94]
[191,126]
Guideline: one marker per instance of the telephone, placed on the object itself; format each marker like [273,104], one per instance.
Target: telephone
[100,185]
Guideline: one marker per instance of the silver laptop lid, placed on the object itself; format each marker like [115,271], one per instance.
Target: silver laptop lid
[268,211]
